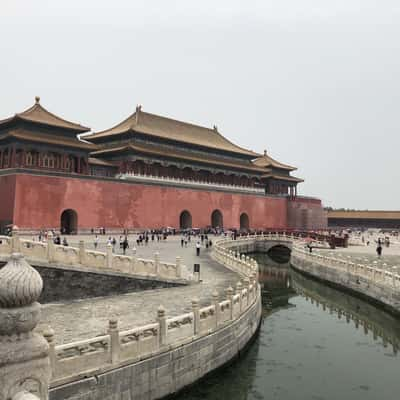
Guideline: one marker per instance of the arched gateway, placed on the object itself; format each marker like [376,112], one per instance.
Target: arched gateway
[69,222]
[185,220]
[217,219]
[244,222]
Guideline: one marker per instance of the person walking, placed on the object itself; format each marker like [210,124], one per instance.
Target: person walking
[96,242]
[125,244]
[198,245]
[379,249]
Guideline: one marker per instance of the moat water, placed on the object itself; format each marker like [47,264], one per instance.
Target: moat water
[314,343]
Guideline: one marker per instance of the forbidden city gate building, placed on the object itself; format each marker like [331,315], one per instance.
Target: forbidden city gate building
[148,171]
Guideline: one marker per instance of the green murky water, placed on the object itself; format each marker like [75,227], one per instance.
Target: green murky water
[314,343]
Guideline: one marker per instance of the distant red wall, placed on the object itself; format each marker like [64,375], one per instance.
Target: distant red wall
[306,213]
[40,201]
[7,196]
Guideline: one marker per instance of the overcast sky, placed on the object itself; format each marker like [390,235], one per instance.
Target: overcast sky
[315,82]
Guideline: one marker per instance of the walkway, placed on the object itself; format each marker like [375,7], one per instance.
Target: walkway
[76,320]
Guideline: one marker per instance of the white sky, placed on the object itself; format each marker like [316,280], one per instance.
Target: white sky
[315,82]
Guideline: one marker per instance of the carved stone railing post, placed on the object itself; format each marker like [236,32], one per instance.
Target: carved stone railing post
[178,264]
[246,282]
[24,354]
[239,292]
[229,293]
[109,255]
[157,263]
[50,247]
[82,252]
[15,241]
[215,297]
[113,331]
[162,320]
[196,315]
[49,336]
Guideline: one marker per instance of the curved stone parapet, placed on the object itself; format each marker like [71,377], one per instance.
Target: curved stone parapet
[376,284]
[379,285]
[174,351]
[50,254]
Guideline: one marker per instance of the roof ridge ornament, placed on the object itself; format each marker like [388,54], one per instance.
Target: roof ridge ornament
[265,152]
[138,110]
[215,128]
[37,99]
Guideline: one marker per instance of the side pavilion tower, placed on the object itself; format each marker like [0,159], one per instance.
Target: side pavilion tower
[37,139]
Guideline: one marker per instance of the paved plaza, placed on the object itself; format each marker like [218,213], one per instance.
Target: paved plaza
[366,254]
[82,319]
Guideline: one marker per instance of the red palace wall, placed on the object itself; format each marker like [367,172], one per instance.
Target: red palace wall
[40,200]
[306,213]
[7,197]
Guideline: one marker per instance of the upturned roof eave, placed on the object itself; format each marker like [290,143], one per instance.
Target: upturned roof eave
[152,152]
[76,143]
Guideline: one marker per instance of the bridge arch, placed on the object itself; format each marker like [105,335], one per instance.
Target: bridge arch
[280,253]
[185,220]
[217,220]
[69,222]
[244,222]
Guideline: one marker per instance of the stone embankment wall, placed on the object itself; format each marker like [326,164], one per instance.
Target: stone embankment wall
[375,284]
[159,359]
[73,284]
[169,371]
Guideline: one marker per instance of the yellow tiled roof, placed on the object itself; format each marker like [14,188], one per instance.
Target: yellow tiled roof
[267,161]
[39,114]
[373,214]
[163,127]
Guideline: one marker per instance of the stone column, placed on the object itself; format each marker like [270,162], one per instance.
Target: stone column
[162,320]
[196,315]
[24,354]
[113,331]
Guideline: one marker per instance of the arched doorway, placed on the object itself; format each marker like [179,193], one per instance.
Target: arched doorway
[216,219]
[244,222]
[69,222]
[185,220]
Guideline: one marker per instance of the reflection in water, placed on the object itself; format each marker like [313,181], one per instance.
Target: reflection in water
[362,314]
[315,342]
